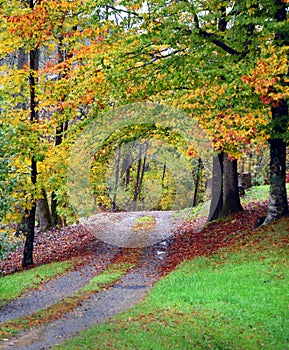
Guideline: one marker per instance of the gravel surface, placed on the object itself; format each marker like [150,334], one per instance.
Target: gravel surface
[118,229]
[132,288]
[58,288]
[97,309]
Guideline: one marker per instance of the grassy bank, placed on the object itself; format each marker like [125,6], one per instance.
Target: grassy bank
[12,286]
[106,278]
[236,299]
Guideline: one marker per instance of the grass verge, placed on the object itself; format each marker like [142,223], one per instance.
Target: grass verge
[235,299]
[105,279]
[12,286]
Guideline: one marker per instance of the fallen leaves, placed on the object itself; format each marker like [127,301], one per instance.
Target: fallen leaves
[188,242]
[55,245]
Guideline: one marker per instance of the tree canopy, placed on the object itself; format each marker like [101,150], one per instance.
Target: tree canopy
[225,63]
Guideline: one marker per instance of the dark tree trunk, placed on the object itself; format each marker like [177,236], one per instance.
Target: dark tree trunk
[218,161]
[29,237]
[136,187]
[113,204]
[143,168]
[43,211]
[197,182]
[231,197]
[217,188]
[140,174]
[29,241]
[278,205]
[125,170]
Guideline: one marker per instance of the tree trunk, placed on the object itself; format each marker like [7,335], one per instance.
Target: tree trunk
[143,168]
[29,241]
[197,182]
[43,211]
[164,174]
[28,247]
[278,205]
[59,134]
[231,198]
[217,188]
[140,174]
[113,204]
[29,237]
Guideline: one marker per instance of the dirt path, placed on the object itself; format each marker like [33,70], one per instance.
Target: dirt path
[119,229]
[59,288]
[132,288]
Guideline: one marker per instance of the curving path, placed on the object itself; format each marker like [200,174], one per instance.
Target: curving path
[132,288]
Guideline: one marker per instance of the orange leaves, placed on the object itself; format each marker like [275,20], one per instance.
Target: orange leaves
[47,21]
[267,78]
[31,26]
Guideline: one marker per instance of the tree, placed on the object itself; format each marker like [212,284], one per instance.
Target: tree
[36,29]
[195,55]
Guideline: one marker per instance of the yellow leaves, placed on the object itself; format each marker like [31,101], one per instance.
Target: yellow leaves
[29,27]
[139,64]
[265,77]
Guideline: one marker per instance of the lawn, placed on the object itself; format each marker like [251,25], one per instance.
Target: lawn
[12,286]
[235,299]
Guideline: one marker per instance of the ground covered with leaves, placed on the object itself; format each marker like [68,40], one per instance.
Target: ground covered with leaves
[187,242]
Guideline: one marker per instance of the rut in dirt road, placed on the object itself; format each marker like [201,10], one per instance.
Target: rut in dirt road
[100,307]
[61,287]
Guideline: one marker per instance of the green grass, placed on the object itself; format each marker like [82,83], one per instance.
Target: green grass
[106,278]
[236,299]
[256,194]
[12,286]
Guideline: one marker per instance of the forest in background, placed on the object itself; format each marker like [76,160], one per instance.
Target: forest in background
[67,63]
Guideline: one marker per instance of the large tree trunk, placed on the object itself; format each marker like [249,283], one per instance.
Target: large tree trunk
[231,198]
[217,188]
[29,237]
[278,205]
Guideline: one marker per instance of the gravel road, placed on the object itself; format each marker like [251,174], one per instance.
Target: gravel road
[132,288]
